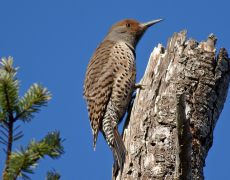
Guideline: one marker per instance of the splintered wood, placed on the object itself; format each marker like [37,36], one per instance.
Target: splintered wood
[167,138]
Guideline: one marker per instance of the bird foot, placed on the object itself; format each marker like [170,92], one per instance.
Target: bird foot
[140,86]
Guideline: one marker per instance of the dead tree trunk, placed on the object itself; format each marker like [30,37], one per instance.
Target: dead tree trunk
[170,129]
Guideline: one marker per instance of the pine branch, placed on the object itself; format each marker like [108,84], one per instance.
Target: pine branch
[36,97]
[25,160]
[12,108]
[8,89]
[8,101]
[53,175]
[7,66]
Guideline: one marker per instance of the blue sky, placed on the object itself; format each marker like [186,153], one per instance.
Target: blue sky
[52,42]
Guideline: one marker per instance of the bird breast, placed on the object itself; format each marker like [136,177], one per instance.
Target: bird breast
[124,74]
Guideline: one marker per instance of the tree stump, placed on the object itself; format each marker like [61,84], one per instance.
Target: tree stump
[170,127]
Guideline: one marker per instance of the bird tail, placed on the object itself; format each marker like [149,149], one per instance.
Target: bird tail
[119,151]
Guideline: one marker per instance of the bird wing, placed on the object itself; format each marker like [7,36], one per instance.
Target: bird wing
[98,85]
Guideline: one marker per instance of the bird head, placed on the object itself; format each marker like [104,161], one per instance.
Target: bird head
[129,30]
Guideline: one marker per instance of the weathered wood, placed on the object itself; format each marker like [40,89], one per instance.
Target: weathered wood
[183,141]
[171,124]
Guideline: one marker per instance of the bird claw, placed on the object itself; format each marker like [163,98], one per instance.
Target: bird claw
[139,86]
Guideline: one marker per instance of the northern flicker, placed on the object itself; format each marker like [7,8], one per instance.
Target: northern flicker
[110,82]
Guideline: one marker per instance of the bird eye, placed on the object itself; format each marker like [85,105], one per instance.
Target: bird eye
[128,25]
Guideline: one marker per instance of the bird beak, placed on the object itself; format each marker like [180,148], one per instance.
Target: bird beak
[150,23]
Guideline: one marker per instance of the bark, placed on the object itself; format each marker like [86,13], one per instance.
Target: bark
[170,128]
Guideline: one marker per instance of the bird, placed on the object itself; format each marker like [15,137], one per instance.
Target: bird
[110,82]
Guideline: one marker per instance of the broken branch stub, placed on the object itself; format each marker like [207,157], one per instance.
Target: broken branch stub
[162,134]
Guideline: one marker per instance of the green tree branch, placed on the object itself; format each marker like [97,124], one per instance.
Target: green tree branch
[13,108]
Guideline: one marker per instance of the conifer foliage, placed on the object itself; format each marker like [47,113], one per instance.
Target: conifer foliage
[22,162]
